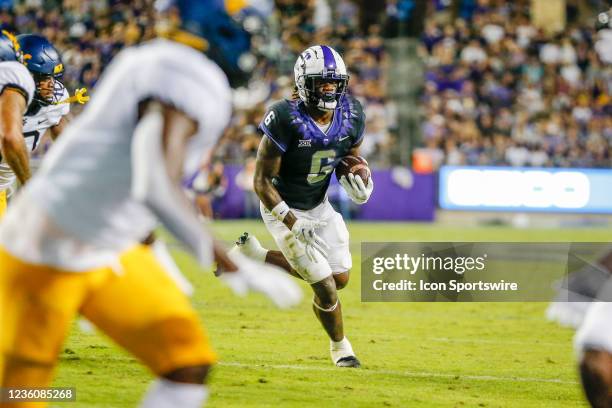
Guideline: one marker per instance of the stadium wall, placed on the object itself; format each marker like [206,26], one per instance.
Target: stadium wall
[397,196]
[401,195]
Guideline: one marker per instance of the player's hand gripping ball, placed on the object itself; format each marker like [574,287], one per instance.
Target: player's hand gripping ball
[355,177]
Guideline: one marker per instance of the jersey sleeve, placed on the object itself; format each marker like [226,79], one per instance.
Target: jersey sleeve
[183,78]
[181,92]
[14,75]
[275,127]
[64,108]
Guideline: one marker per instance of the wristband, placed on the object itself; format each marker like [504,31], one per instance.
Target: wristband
[280,211]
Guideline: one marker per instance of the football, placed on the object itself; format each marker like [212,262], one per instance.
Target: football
[353,164]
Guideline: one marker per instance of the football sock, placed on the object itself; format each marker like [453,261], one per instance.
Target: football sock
[170,394]
[340,349]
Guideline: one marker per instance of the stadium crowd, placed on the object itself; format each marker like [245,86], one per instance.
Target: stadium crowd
[88,33]
[498,90]
[305,23]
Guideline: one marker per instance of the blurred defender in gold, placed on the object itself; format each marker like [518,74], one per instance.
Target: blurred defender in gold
[132,305]
[69,239]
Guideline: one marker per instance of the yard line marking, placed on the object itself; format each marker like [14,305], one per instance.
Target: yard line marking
[414,374]
[485,341]
[404,337]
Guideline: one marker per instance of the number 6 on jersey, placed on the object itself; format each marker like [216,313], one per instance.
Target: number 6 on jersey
[319,170]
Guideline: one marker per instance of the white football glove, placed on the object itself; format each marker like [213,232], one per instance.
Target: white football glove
[268,279]
[355,188]
[305,231]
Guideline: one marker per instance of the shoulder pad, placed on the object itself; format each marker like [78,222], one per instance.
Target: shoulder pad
[354,117]
[275,123]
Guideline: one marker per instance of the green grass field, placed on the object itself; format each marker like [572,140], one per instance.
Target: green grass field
[413,355]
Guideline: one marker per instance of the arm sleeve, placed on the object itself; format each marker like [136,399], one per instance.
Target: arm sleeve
[153,187]
[14,75]
[272,126]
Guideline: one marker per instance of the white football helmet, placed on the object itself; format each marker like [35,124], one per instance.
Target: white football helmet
[320,62]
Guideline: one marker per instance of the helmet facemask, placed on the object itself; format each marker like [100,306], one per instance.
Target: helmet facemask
[44,62]
[48,95]
[309,91]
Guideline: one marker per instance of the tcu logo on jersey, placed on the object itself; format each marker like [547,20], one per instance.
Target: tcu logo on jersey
[304,143]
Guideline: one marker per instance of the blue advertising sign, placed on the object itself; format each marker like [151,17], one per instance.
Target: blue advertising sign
[525,189]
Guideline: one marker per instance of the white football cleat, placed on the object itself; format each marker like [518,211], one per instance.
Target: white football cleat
[249,246]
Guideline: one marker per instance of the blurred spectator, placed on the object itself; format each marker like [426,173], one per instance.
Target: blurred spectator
[244,180]
[209,187]
[217,185]
[340,201]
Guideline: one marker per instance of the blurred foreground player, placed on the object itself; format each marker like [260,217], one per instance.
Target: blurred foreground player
[580,288]
[593,343]
[49,114]
[17,91]
[70,241]
[593,340]
[303,141]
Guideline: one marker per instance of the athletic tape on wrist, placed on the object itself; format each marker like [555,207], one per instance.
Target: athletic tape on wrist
[280,211]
